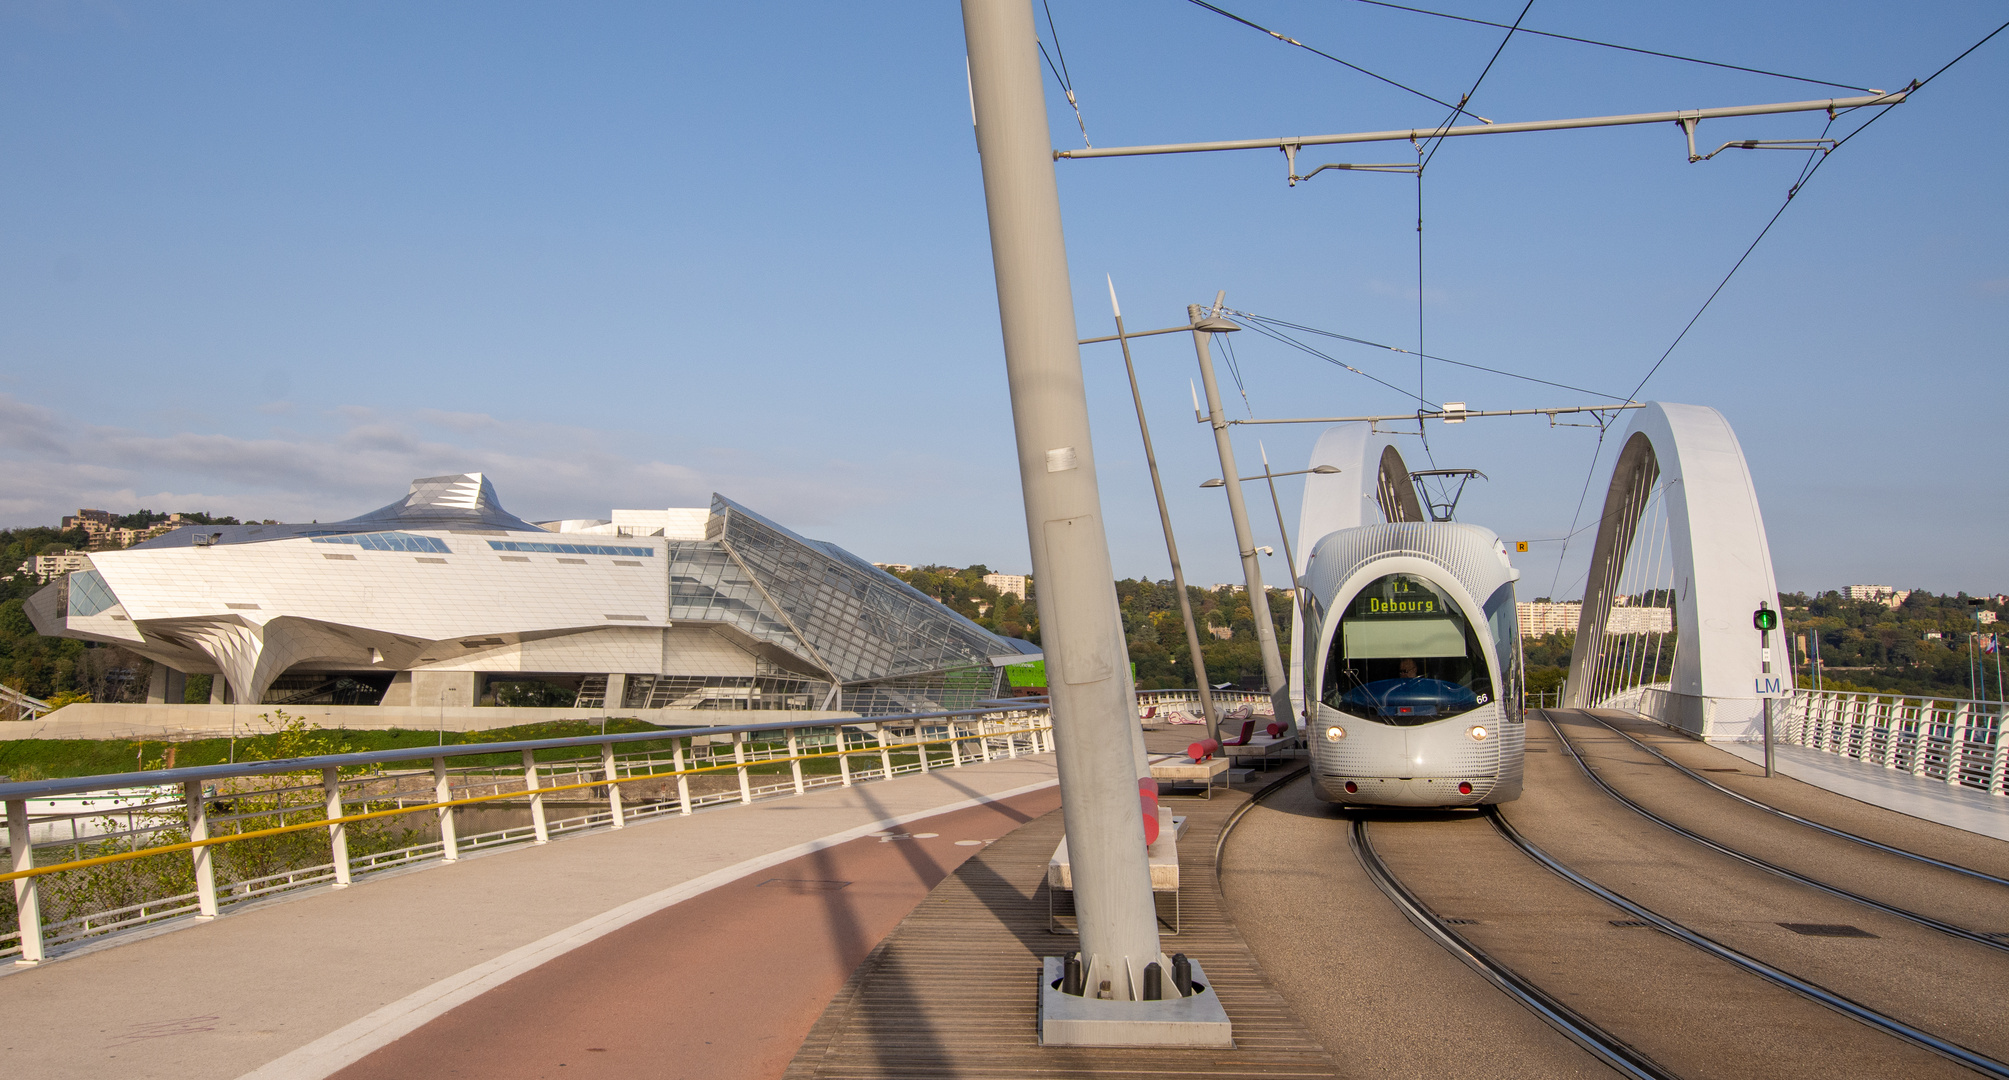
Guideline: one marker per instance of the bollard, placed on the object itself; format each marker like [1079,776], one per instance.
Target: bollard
[1154,982]
[1070,975]
[1182,974]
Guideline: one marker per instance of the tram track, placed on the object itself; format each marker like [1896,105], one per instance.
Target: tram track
[1846,1006]
[1607,1047]
[1829,830]
[1724,995]
[1949,929]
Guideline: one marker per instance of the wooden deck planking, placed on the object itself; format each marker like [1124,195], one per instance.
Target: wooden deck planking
[953,991]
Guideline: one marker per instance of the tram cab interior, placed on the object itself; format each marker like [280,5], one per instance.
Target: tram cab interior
[1405,654]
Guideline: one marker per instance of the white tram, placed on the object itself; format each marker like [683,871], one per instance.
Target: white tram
[1413,665]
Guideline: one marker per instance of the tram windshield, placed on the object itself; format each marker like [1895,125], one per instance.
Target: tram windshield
[1405,654]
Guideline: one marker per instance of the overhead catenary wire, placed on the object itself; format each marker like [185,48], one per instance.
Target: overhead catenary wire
[1224,13]
[1611,45]
[1815,159]
[1302,347]
[1423,159]
[1807,170]
[1248,316]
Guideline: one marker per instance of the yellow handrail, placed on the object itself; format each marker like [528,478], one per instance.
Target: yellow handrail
[278,830]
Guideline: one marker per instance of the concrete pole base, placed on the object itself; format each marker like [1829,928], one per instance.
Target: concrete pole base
[1066,1020]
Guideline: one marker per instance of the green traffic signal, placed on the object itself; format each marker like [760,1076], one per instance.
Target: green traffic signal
[1765,619]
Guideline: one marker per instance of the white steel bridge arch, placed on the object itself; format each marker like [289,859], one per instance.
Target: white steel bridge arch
[1689,457]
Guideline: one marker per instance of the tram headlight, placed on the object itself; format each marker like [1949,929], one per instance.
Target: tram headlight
[1478,733]
[1335,733]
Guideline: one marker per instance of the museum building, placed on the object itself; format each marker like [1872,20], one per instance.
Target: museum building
[445,599]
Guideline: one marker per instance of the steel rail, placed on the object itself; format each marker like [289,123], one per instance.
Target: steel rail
[1418,134]
[322,823]
[1809,823]
[1906,914]
[1605,1046]
[1854,1010]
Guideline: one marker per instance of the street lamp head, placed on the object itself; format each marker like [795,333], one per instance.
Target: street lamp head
[1215,482]
[1216,325]
[1326,470]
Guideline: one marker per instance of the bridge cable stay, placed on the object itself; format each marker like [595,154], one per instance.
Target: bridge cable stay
[1628,648]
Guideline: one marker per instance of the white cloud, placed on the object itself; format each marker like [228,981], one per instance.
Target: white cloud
[368,456]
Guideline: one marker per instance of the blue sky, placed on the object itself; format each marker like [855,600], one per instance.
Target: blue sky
[275,259]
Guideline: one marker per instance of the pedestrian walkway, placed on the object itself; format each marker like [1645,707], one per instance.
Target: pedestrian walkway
[306,986]
[1960,807]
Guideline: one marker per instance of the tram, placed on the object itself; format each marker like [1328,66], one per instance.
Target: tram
[1413,650]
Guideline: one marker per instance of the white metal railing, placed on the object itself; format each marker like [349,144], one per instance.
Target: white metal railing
[15,705]
[1956,741]
[225,834]
[1170,705]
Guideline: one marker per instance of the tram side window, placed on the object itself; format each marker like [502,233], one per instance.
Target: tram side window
[1504,620]
[1405,654]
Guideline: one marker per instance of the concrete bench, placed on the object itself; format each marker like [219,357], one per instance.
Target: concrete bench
[1178,768]
[1164,860]
[1261,748]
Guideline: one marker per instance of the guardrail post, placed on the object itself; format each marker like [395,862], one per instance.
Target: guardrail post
[1011,738]
[538,824]
[1892,735]
[1956,744]
[1998,762]
[27,897]
[921,744]
[338,833]
[955,746]
[739,758]
[449,844]
[619,821]
[683,781]
[984,737]
[885,754]
[795,758]
[843,755]
[1921,735]
[205,867]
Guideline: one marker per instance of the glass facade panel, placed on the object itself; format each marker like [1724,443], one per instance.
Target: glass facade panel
[866,624]
[390,541]
[707,586]
[89,594]
[569,549]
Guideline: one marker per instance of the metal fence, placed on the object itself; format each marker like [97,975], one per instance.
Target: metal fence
[1955,741]
[92,855]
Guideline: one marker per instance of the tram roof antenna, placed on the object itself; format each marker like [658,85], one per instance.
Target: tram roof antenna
[1445,503]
